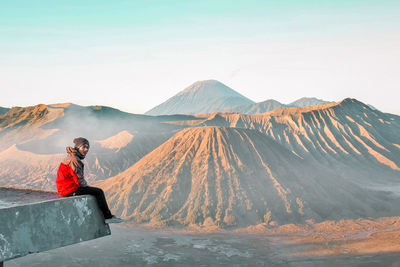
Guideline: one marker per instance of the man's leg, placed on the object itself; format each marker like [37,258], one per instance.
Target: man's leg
[99,195]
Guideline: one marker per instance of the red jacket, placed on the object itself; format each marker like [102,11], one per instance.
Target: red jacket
[67,180]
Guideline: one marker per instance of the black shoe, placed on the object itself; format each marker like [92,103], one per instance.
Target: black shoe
[113,219]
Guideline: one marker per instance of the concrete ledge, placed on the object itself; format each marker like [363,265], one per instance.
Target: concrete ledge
[34,221]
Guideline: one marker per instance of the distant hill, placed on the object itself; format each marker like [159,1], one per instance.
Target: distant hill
[271,104]
[308,101]
[3,110]
[200,98]
[256,108]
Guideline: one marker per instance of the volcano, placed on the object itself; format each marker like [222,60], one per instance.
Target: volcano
[200,98]
[233,178]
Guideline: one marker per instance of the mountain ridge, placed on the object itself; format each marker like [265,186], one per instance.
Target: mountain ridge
[271,104]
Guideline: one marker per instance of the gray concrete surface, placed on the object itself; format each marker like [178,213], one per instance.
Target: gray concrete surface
[36,221]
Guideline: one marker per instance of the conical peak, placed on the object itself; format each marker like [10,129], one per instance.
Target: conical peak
[209,89]
[207,82]
[199,98]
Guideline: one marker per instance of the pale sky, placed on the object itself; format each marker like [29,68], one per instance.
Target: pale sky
[134,55]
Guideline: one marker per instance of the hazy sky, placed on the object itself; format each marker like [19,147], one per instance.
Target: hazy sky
[133,55]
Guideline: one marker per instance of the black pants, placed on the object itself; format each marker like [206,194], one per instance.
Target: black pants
[98,194]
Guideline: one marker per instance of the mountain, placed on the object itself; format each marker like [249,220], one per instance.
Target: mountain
[308,101]
[329,161]
[200,98]
[56,125]
[256,108]
[213,96]
[347,136]
[23,124]
[3,110]
[42,132]
[269,105]
[234,178]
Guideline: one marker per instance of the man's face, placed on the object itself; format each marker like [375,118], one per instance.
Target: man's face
[84,149]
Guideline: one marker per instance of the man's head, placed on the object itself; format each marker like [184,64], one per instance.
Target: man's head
[82,145]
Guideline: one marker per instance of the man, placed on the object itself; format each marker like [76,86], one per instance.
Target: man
[71,181]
